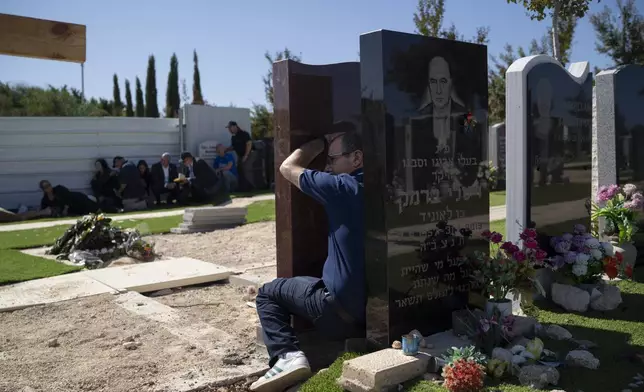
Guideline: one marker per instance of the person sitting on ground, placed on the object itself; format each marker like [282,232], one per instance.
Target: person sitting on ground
[335,303]
[225,166]
[146,178]
[62,202]
[163,176]
[105,185]
[202,181]
[132,190]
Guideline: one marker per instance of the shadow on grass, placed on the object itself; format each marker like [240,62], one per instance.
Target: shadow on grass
[630,310]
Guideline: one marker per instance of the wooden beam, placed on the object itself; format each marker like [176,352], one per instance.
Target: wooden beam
[42,39]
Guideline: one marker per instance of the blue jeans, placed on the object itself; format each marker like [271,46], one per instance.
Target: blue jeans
[302,296]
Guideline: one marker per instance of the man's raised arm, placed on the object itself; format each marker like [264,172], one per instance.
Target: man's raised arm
[296,163]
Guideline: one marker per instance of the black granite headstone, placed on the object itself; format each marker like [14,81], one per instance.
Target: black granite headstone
[424,114]
[559,149]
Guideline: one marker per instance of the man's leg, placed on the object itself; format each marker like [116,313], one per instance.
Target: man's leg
[276,302]
[231,181]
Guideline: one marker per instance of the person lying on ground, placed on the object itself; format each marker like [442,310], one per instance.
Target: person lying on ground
[336,303]
[105,185]
[163,175]
[225,166]
[63,202]
[202,181]
[132,190]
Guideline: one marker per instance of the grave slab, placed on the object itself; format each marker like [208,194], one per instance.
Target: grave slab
[50,290]
[159,275]
[381,370]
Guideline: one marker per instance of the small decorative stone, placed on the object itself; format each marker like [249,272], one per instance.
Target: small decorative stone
[423,343]
[582,358]
[538,377]
[558,333]
[502,354]
[396,344]
[585,344]
[431,377]
[570,298]
[517,349]
[130,345]
[518,360]
[610,299]
[53,343]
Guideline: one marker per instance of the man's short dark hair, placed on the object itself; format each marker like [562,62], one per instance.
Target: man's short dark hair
[185,155]
[117,158]
[351,142]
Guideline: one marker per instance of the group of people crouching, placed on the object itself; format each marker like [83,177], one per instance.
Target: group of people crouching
[131,187]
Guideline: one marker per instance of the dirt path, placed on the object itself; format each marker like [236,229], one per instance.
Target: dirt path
[243,246]
[89,353]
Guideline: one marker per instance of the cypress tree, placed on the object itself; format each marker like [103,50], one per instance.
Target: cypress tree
[172,100]
[140,105]
[129,109]
[151,108]
[197,97]
[118,104]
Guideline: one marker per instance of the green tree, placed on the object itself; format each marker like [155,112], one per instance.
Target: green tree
[429,18]
[172,99]
[557,9]
[197,96]
[129,108]
[151,108]
[23,100]
[622,41]
[185,98]
[285,54]
[261,121]
[118,104]
[140,105]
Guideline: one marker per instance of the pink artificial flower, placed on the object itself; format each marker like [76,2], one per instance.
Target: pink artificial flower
[519,256]
[528,233]
[530,243]
[496,237]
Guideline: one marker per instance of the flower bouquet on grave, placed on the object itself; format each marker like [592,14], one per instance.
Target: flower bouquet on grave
[619,208]
[581,259]
[508,268]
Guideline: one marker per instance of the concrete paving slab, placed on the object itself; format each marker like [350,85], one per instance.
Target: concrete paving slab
[381,370]
[216,211]
[50,290]
[159,275]
[183,230]
[254,277]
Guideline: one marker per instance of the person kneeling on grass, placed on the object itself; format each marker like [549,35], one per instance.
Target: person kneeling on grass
[336,303]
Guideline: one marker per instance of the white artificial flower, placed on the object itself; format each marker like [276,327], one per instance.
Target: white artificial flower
[592,243]
[608,249]
[582,258]
[596,253]
[579,269]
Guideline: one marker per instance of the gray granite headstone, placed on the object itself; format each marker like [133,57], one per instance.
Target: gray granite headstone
[496,152]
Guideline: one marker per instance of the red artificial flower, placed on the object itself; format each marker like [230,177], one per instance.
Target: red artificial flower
[541,254]
[519,256]
[528,233]
[610,267]
[619,257]
[486,233]
[530,243]
[629,271]
[496,237]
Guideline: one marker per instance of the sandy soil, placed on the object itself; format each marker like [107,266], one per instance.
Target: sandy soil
[89,353]
[240,248]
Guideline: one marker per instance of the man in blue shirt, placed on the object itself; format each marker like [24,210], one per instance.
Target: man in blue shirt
[336,303]
[226,168]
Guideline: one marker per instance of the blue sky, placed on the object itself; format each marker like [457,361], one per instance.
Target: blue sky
[232,36]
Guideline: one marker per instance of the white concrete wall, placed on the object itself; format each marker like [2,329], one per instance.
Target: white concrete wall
[63,150]
[208,123]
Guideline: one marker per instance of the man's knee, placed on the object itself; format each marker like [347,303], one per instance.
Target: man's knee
[268,289]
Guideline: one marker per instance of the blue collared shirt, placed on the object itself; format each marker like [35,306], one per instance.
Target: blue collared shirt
[344,269]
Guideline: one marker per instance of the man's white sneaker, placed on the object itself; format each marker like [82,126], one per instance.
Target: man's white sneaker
[287,371]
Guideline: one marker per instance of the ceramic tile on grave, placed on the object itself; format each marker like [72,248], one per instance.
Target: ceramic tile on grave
[310,101]
[424,115]
[559,149]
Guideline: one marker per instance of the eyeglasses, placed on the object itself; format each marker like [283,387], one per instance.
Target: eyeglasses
[332,158]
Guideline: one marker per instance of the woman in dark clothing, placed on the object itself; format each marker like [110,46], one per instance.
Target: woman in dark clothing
[146,177]
[62,201]
[104,186]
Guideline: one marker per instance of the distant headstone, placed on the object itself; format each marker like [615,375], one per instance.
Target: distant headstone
[496,153]
[424,115]
[618,129]
[208,149]
[309,99]
[549,111]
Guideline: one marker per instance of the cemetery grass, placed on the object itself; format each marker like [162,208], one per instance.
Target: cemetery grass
[153,209]
[548,195]
[16,266]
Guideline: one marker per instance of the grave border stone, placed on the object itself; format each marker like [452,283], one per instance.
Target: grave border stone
[516,128]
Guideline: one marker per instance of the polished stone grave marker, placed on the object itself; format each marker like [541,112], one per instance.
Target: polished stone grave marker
[424,114]
[310,101]
[618,129]
[548,151]
[496,152]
